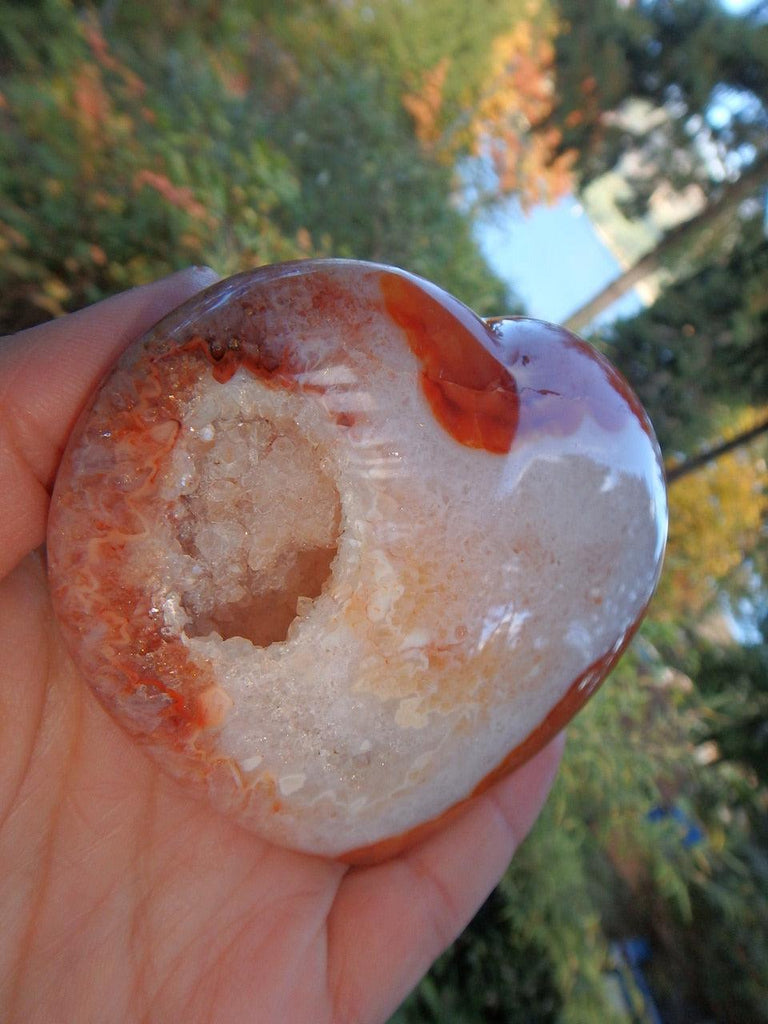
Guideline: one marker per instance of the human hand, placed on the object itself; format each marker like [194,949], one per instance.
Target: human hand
[122,898]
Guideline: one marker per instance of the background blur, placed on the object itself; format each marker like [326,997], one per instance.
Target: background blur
[603,164]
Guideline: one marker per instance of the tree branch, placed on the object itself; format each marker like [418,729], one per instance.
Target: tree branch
[683,469]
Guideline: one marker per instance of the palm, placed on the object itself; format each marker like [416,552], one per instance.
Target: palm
[124,899]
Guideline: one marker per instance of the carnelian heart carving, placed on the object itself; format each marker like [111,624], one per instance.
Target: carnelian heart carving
[339,552]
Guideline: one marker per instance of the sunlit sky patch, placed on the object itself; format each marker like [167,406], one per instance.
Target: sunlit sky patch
[739,6]
[552,257]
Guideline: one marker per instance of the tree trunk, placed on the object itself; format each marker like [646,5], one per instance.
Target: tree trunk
[729,198]
[682,469]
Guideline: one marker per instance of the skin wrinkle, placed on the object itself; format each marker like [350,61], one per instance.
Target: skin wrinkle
[160,884]
[17,806]
[317,904]
[145,918]
[27,530]
[151,833]
[347,996]
[140,950]
[210,981]
[146,839]
[302,951]
[203,1003]
[45,866]
[233,899]
[14,448]
[236,943]
[443,909]
[237,927]
[13,584]
[29,435]
[205,982]
[61,826]
[502,816]
[348,1000]
[76,925]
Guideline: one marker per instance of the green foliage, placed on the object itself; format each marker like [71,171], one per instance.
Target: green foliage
[735,681]
[679,59]
[718,955]
[728,939]
[409,39]
[367,189]
[29,34]
[493,974]
[699,351]
[109,180]
[195,134]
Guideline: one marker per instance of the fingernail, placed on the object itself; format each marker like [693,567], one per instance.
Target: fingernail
[206,275]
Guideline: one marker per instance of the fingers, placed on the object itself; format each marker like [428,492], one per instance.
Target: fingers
[46,375]
[391,921]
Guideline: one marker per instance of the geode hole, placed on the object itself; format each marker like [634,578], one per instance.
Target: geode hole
[260,522]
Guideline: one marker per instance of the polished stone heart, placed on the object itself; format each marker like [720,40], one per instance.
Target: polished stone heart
[339,552]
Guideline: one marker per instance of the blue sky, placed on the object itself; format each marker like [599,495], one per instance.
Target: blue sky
[551,256]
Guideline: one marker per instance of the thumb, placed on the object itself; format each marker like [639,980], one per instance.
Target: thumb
[46,375]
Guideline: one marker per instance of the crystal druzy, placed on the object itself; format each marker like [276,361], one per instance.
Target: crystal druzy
[339,553]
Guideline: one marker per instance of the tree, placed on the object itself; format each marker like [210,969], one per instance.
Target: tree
[703,69]
[368,188]
[110,178]
[208,133]
[700,349]
[716,517]
[735,681]
[677,245]
[503,129]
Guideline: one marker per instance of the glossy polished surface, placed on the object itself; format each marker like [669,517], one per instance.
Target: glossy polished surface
[339,552]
